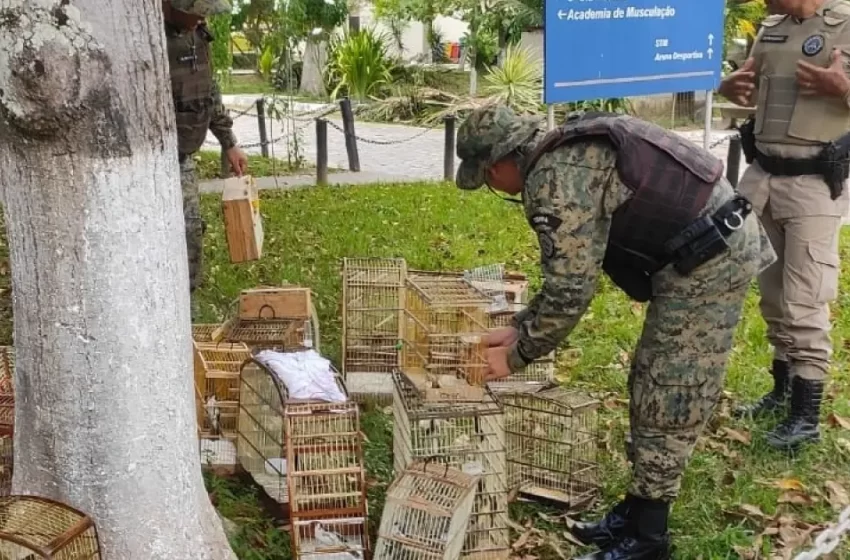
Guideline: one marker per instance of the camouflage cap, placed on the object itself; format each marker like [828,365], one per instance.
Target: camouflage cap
[489,134]
[203,8]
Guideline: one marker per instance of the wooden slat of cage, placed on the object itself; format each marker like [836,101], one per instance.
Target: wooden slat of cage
[470,437]
[330,537]
[34,527]
[207,332]
[552,440]
[373,302]
[540,371]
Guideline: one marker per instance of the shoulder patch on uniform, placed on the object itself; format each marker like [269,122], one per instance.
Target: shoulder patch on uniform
[813,45]
[773,21]
[545,222]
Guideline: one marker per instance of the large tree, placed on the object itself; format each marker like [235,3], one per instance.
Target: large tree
[89,180]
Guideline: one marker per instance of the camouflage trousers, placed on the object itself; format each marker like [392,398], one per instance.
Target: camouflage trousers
[194,223]
[679,366]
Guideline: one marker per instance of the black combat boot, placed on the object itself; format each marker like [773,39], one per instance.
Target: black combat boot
[773,402]
[645,536]
[801,426]
[606,531]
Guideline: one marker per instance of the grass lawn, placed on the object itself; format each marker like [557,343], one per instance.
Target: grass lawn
[246,84]
[737,494]
[209,166]
[735,487]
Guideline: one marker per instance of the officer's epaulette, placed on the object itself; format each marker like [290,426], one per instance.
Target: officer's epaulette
[840,9]
[774,20]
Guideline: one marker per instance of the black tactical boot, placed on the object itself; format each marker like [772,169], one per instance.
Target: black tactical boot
[801,426]
[606,531]
[645,536]
[773,402]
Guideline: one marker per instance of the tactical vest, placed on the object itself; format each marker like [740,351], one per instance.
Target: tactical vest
[784,115]
[671,178]
[191,86]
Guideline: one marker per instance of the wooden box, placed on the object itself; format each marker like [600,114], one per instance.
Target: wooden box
[289,302]
[242,222]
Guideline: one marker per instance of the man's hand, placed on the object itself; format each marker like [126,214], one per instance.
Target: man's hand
[497,363]
[504,336]
[238,160]
[831,81]
[739,86]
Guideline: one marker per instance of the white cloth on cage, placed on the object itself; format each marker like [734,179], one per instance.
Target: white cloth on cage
[306,375]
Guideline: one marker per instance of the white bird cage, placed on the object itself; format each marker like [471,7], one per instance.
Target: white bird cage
[552,444]
[490,280]
[426,513]
[469,436]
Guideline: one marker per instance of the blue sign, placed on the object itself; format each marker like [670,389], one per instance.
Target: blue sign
[619,48]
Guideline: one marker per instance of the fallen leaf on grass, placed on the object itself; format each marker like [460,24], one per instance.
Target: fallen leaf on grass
[520,542]
[838,497]
[843,445]
[748,511]
[746,553]
[837,421]
[740,436]
[796,497]
[790,484]
[571,539]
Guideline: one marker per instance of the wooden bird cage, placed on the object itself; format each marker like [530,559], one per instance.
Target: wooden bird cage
[552,445]
[372,311]
[207,332]
[217,367]
[275,318]
[541,371]
[327,481]
[426,513]
[33,527]
[444,328]
[469,437]
[261,441]
[515,285]
[7,390]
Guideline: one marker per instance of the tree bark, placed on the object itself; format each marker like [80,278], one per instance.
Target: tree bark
[104,417]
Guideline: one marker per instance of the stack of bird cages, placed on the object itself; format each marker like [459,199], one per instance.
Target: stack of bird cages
[444,333]
[469,437]
[539,372]
[552,445]
[373,304]
[275,318]
[426,513]
[7,417]
[207,332]
[327,482]
[217,367]
[33,527]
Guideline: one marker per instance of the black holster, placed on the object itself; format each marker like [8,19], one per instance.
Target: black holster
[632,272]
[748,139]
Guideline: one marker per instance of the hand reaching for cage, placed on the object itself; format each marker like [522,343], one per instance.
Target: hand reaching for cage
[497,363]
[504,336]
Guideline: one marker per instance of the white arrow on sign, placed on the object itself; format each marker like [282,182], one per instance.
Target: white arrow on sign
[710,39]
[562,14]
[710,52]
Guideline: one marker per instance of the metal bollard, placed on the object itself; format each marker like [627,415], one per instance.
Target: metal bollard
[350,138]
[261,120]
[449,155]
[321,152]
[733,161]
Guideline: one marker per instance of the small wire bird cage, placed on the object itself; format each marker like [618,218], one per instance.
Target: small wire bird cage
[426,513]
[539,372]
[33,527]
[490,280]
[444,329]
[469,437]
[217,367]
[275,318]
[7,417]
[552,444]
[373,306]
[327,481]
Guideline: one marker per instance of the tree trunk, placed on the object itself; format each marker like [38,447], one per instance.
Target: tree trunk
[315,58]
[104,417]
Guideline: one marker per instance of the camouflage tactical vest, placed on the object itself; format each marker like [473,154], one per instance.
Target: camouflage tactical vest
[670,177]
[191,86]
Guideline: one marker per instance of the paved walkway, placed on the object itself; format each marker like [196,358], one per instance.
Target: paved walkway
[388,152]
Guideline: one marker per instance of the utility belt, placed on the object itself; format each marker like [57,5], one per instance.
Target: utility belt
[697,244]
[832,163]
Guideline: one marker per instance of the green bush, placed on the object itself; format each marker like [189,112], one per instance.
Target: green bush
[517,82]
[359,64]
[245,61]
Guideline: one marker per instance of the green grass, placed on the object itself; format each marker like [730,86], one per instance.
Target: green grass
[208,164]
[434,226]
[246,84]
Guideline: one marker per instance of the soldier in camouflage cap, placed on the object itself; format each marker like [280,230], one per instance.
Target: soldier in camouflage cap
[198,108]
[614,194]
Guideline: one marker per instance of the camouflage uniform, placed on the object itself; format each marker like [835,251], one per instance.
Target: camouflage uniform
[679,365]
[198,108]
